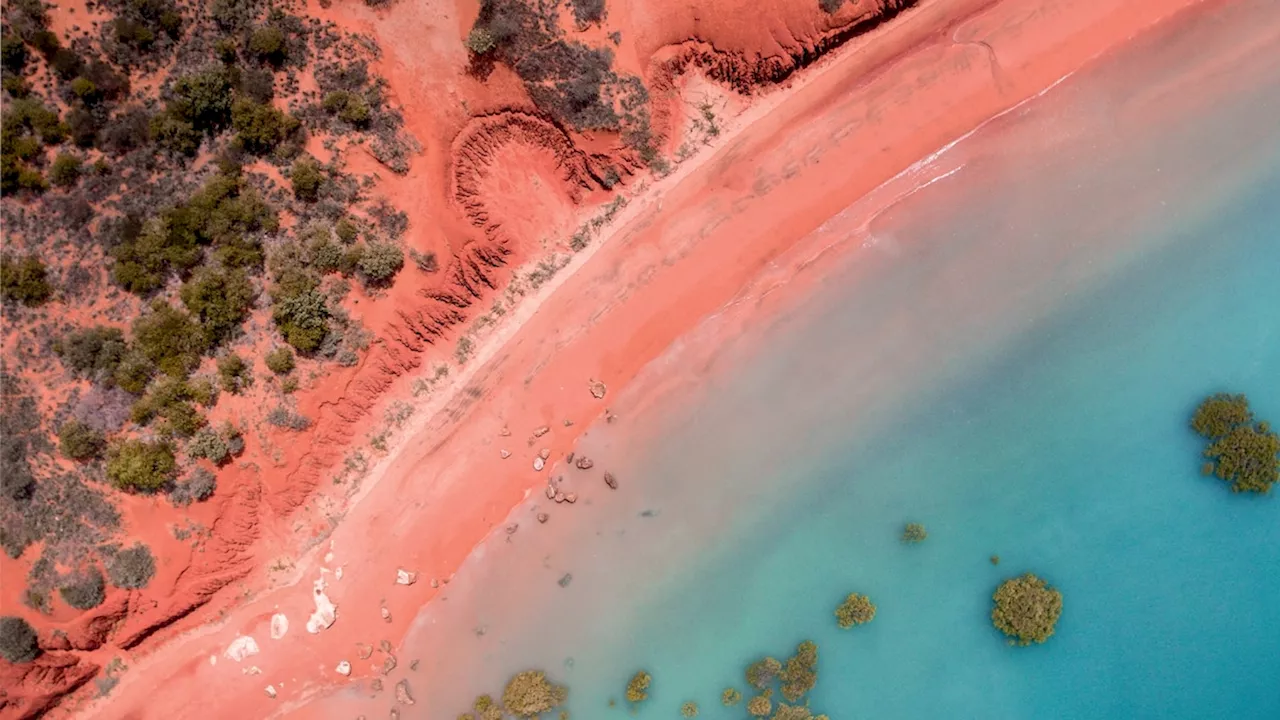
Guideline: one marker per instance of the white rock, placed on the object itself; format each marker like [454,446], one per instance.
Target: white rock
[337,574]
[271,691]
[252,670]
[241,648]
[505,454]
[213,659]
[344,668]
[539,463]
[326,612]
[279,626]
[404,577]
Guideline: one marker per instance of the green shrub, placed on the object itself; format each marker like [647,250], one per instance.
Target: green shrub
[140,466]
[18,642]
[78,441]
[86,591]
[174,133]
[350,107]
[1220,414]
[1026,609]
[346,230]
[204,391]
[529,694]
[267,43]
[24,280]
[1242,452]
[208,444]
[762,673]
[914,533]
[220,299]
[480,41]
[203,98]
[145,257]
[303,319]
[83,88]
[170,399]
[13,52]
[93,352]
[134,372]
[170,339]
[261,127]
[65,170]
[234,373]
[280,361]
[306,178]
[800,673]
[638,687]
[133,568]
[379,263]
[855,610]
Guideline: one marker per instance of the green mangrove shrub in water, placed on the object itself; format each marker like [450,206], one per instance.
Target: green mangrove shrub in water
[762,673]
[855,610]
[914,533]
[800,674]
[638,687]
[1026,609]
[730,697]
[1242,452]
[530,693]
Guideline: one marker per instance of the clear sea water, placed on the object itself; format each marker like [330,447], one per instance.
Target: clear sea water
[1011,360]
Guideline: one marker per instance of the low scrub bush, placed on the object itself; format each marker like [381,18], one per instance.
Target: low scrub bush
[280,361]
[283,417]
[79,441]
[24,280]
[197,487]
[18,642]
[133,568]
[139,465]
[84,591]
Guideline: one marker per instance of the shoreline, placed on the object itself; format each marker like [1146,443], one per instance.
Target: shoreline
[564,355]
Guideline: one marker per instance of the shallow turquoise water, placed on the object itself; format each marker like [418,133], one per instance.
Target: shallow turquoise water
[1012,362]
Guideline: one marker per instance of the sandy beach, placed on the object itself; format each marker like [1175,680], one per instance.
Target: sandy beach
[740,214]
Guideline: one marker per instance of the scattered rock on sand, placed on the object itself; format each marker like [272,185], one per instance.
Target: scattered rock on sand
[404,577]
[568,422]
[551,492]
[271,691]
[566,579]
[611,481]
[585,463]
[435,583]
[403,696]
[543,517]
[326,612]
[539,463]
[364,651]
[376,685]
[544,453]
[505,432]
[241,648]
[386,613]
[389,664]
[512,528]
[539,432]
[395,714]
[560,497]
[384,646]
[571,498]
[569,459]
[504,453]
[279,626]
[598,389]
[343,668]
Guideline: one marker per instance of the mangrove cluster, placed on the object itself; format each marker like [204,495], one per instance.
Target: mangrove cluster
[1026,609]
[1241,451]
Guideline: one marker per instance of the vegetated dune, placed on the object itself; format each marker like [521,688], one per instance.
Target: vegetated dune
[498,193]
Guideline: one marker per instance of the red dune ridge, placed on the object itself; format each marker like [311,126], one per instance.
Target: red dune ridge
[682,248]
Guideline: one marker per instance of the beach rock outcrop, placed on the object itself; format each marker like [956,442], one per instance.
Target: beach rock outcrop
[403,696]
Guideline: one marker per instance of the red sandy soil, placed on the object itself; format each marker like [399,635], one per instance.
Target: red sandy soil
[493,182]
